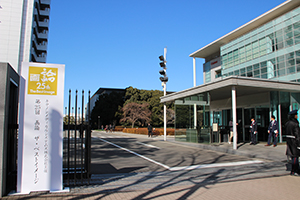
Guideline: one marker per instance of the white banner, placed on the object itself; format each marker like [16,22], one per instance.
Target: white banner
[41,127]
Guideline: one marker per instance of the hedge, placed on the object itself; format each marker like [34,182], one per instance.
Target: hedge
[144,131]
[119,128]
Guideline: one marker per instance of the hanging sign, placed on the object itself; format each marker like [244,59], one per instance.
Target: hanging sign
[41,127]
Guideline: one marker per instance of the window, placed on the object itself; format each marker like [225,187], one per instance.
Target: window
[243,72]
[298,61]
[297,39]
[289,39]
[249,71]
[263,70]
[256,74]
[218,73]
[281,72]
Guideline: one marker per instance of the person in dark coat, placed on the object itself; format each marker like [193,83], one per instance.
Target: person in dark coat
[293,141]
[150,133]
[253,131]
[273,131]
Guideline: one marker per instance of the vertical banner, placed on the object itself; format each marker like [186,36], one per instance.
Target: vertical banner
[41,127]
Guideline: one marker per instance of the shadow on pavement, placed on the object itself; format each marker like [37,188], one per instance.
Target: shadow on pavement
[109,169]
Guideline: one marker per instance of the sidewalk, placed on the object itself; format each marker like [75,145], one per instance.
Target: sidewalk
[203,186]
[284,187]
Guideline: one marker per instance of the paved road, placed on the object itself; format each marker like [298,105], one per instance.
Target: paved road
[123,162]
[116,153]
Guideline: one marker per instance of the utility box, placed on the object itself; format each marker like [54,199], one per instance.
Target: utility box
[9,98]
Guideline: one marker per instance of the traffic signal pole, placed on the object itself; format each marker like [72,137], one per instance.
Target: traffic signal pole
[164,80]
[165,107]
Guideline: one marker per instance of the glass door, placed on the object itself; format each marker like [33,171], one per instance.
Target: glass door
[262,119]
[248,113]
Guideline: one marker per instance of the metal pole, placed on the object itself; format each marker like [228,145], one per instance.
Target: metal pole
[194,70]
[195,106]
[75,140]
[165,107]
[81,135]
[89,139]
[233,95]
[69,118]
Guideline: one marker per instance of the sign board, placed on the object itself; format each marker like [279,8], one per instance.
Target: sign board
[215,127]
[41,127]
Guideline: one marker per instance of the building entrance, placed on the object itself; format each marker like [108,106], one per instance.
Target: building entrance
[244,115]
[261,116]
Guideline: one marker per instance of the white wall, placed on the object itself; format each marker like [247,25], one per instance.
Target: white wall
[10,31]
[25,42]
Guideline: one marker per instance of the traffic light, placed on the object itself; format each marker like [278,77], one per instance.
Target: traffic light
[163,71]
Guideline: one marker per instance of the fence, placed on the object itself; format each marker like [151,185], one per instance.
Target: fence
[77,143]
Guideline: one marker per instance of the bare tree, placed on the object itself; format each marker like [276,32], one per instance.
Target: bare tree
[170,116]
[133,112]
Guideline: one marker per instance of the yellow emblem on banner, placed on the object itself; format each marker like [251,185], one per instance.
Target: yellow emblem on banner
[42,80]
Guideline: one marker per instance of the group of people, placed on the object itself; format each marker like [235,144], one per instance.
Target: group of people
[272,130]
[108,128]
[292,138]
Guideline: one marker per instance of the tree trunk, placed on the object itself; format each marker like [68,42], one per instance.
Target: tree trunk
[132,126]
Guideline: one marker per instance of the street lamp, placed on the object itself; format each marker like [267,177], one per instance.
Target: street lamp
[98,122]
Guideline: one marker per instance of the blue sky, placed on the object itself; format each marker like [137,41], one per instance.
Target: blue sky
[116,43]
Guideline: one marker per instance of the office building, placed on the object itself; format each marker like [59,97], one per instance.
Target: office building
[24,31]
[24,26]
[253,71]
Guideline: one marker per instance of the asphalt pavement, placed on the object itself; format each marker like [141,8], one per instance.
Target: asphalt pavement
[249,172]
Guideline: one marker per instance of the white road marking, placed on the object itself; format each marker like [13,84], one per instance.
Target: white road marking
[191,167]
[215,165]
[148,145]
[139,155]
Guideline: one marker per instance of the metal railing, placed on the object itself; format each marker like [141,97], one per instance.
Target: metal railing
[77,143]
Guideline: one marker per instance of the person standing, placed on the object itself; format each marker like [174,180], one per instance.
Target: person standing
[293,141]
[110,128]
[273,131]
[150,133]
[231,131]
[253,131]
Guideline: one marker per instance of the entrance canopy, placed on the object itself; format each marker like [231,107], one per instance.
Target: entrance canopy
[244,86]
[233,92]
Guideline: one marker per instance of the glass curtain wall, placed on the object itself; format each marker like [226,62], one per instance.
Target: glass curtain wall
[270,51]
[192,119]
[280,105]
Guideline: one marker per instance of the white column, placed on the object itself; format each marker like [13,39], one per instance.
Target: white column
[233,97]
[195,106]
[165,107]
[195,116]
[194,70]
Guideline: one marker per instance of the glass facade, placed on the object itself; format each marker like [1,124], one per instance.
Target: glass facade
[271,51]
[207,72]
[192,119]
